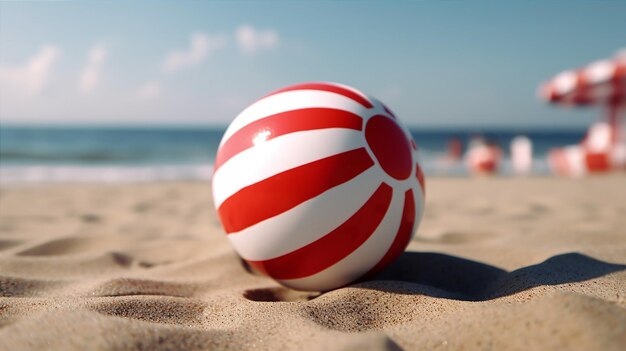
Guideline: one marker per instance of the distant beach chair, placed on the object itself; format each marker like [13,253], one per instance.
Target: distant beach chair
[521,155]
[482,157]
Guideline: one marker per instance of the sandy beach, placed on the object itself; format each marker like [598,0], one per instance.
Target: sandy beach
[519,264]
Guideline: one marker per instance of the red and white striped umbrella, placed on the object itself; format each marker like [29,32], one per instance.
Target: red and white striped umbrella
[600,83]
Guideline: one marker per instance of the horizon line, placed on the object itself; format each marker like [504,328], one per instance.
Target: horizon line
[210,126]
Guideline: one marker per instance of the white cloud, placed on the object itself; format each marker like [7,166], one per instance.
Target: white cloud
[31,77]
[90,76]
[201,45]
[150,90]
[251,40]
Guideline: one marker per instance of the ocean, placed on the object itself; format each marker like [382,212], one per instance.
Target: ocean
[72,154]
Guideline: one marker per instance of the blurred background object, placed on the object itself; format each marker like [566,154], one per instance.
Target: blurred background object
[483,156]
[603,84]
[522,155]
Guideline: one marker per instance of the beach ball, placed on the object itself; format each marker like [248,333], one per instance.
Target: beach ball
[317,185]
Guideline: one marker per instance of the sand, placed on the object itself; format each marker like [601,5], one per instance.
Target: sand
[497,264]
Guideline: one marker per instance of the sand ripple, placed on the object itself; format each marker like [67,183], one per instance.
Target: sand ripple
[498,264]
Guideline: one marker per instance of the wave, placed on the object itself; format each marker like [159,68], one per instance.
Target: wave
[432,166]
[68,156]
[104,174]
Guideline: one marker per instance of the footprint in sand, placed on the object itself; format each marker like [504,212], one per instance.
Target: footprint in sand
[132,286]
[278,294]
[7,244]
[74,245]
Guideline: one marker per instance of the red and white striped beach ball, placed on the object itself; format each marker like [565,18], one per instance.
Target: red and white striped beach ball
[317,185]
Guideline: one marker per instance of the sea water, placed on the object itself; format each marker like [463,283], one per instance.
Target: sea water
[107,154]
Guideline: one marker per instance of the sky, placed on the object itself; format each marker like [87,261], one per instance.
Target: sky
[437,64]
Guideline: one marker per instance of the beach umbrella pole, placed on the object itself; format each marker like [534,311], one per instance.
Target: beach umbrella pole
[613,113]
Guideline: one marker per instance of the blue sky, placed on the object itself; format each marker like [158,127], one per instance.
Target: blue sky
[435,63]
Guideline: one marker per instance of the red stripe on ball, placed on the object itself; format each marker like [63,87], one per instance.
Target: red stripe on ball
[285,190]
[327,87]
[420,178]
[284,123]
[334,246]
[403,235]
